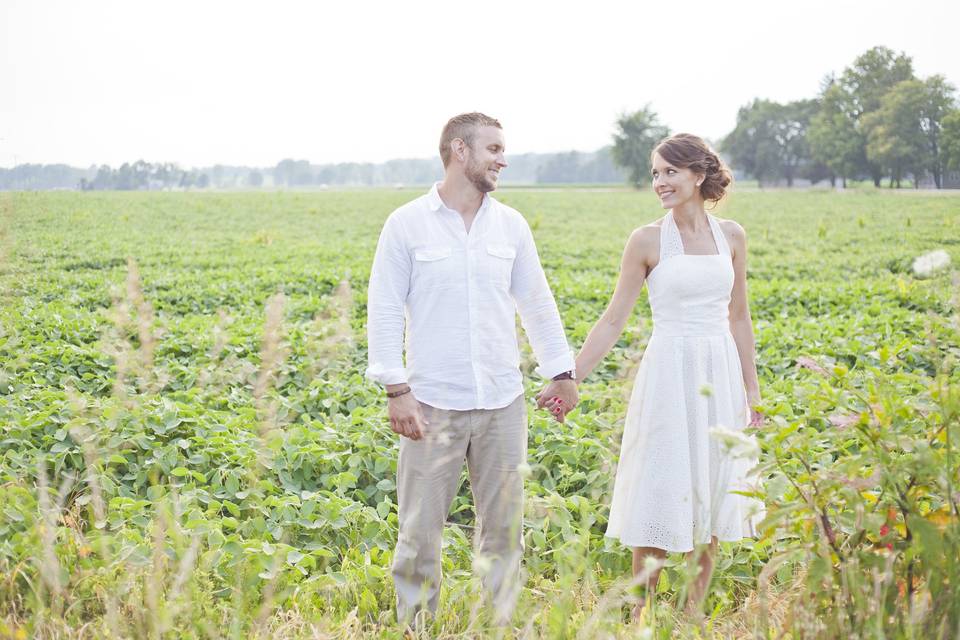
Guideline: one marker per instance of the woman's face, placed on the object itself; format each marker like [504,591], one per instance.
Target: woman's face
[673,185]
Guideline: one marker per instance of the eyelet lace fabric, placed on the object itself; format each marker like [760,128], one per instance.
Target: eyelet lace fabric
[670,243]
[675,485]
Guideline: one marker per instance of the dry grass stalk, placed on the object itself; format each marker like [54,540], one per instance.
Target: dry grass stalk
[116,344]
[331,333]
[6,214]
[185,570]
[528,360]
[49,515]
[225,367]
[153,589]
[206,377]
[271,357]
[85,439]
[150,375]
[144,314]
[269,594]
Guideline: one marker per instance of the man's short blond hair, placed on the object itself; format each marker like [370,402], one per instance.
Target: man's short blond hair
[463,126]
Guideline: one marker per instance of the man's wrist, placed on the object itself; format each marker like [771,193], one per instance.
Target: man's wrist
[397,390]
[566,375]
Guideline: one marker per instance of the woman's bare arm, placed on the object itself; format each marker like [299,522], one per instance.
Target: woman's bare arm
[741,324]
[639,257]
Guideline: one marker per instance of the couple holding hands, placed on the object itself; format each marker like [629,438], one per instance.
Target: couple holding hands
[454,267]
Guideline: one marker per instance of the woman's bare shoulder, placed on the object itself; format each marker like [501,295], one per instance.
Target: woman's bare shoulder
[732,228]
[647,234]
[645,241]
[734,233]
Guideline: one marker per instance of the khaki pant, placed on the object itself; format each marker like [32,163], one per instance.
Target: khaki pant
[494,443]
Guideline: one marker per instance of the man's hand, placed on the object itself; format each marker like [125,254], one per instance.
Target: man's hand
[405,415]
[559,398]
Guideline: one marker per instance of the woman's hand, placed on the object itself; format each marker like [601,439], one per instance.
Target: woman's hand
[559,398]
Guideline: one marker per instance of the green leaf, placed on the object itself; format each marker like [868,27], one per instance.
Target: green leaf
[294,556]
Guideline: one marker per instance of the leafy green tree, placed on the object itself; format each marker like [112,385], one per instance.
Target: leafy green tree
[937,102]
[865,83]
[750,145]
[903,135]
[872,74]
[950,140]
[633,142]
[770,139]
[834,137]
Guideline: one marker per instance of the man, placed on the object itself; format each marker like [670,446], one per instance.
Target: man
[453,267]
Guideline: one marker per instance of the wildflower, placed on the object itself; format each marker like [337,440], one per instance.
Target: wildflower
[884,532]
[929,263]
[861,483]
[842,422]
[806,362]
[735,443]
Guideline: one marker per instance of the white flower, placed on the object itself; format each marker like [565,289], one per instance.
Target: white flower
[652,564]
[523,469]
[929,263]
[482,564]
[735,443]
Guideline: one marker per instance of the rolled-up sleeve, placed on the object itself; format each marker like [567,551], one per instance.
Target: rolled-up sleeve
[538,309]
[386,296]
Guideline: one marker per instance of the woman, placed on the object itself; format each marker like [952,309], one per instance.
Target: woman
[674,478]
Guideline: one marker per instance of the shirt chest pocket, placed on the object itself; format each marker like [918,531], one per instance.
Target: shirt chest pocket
[433,268]
[498,262]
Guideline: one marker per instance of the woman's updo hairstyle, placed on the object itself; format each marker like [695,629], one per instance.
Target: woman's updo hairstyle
[687,151]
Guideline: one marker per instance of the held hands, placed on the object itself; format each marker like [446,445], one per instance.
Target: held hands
[559,398]
[406,418]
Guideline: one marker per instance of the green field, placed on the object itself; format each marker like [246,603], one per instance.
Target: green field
[186,454]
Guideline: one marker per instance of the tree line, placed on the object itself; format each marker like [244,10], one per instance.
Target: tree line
[528,168]
[875,120]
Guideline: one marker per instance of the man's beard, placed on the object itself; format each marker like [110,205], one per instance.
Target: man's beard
[478,177]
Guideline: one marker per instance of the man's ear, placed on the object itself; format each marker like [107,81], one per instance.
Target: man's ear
[459,148]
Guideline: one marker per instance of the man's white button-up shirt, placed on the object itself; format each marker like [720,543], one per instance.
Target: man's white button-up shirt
[457,295]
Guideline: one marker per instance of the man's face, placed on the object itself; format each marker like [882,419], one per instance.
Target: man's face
[485,158]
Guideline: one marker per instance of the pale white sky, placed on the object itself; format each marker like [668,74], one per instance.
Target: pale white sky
[200,82]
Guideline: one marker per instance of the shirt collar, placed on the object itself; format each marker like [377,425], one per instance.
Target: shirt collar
[435,202]
[433,198]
